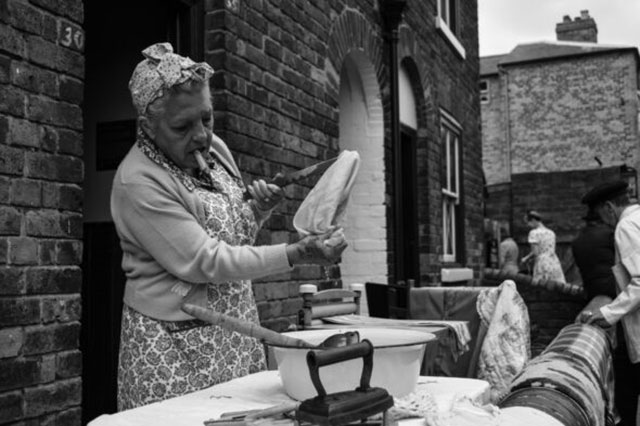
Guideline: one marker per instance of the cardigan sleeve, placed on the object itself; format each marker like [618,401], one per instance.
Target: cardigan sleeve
[163,228]
[628,299]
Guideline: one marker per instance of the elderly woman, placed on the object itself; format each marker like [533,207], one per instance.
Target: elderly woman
[542,240]
[187,235]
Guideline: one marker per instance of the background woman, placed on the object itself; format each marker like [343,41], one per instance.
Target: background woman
[508,253]
[187,236]
[543,249]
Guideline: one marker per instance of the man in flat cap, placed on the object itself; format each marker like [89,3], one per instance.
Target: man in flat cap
[611,202]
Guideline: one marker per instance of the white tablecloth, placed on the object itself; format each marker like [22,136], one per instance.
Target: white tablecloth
[262,390]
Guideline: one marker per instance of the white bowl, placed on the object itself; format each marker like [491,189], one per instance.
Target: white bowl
[397,358]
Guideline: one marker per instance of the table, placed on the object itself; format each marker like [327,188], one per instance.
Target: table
[262,390]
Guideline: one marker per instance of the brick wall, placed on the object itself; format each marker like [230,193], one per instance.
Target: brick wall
[498,203]
[549,312]
[561,114]
[41,87]
[564,113]
[277,106]
[449,83]
[557,197]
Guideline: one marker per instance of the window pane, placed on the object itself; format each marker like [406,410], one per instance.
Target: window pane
[444,9]
[453,175]
[445,162]
[453,17]
[449,132]
[449,233]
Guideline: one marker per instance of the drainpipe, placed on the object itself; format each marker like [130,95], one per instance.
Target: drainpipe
[391,11]
[503,74]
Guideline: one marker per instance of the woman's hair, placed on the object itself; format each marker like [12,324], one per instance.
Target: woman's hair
[156,108]
[533,215]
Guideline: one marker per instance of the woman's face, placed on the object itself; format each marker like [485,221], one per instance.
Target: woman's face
[184,126]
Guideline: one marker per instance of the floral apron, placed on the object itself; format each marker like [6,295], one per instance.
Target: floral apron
[163,359]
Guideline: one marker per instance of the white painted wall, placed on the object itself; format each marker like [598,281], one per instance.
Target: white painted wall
[362,130]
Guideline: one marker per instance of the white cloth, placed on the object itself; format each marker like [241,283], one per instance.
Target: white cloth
[627,272]
[324,207]
[263,390]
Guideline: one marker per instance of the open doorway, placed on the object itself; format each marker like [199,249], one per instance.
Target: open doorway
[407,236]
[116,33]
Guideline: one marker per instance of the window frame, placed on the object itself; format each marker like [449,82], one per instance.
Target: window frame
[451,196]
[485,94]
[442,21]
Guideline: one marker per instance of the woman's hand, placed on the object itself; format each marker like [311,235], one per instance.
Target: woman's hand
[265,195]
[324,249]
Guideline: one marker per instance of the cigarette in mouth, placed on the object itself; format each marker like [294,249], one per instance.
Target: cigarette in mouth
[204,167]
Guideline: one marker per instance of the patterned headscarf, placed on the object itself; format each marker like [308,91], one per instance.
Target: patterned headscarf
[161,70]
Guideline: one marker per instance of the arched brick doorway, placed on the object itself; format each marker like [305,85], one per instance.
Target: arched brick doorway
[362,130]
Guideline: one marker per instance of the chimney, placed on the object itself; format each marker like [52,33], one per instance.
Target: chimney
[583,28]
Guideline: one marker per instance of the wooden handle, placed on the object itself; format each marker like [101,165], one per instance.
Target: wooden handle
[340,308]
[315,360]
[243,327]
[285,407]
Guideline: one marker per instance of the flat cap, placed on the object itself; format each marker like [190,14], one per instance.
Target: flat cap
[605,192]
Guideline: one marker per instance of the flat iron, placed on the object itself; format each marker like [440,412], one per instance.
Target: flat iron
[345,407]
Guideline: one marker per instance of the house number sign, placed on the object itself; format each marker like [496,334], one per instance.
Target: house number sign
[71,36]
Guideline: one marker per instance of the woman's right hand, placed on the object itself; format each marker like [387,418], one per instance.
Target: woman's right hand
[324,249]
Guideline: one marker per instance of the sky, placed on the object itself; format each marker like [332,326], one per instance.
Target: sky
[505,23]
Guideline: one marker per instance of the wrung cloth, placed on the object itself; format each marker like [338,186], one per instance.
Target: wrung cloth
[324,208]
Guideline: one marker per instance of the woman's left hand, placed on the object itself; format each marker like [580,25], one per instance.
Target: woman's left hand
[265,195]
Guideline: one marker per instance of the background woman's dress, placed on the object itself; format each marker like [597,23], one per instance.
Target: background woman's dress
[546,265]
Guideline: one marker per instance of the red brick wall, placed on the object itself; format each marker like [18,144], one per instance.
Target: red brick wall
[41,88]
[276,103]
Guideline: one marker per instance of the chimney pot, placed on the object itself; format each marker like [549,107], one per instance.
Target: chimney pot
[582,29]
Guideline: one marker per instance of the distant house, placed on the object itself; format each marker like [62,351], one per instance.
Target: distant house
[557,117]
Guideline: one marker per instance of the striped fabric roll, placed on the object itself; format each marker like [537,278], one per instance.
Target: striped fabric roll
[578,364]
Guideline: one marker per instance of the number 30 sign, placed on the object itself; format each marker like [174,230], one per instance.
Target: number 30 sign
[71,36]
